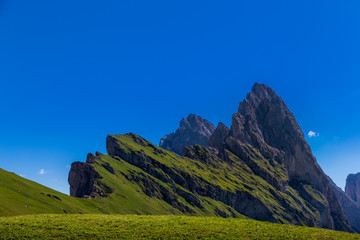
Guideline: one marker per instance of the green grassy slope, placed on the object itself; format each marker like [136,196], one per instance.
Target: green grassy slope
[17,192]
[132,190]
[19,196]
[154,227]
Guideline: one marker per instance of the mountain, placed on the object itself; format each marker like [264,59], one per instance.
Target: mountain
[264,122]
[350,207]
[261,168]
[352,187]
[192,130]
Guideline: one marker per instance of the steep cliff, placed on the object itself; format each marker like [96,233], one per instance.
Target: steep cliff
[351,208]
[264,122]
[352,187]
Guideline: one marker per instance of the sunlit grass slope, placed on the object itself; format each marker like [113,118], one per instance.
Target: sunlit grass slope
[154,227]
[21,196]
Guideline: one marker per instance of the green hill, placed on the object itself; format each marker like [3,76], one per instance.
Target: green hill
[154,227]
[139,177]
[20,196]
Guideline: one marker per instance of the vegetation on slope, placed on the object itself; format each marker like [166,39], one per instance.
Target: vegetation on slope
[21,196]
[205,186]
[145,179]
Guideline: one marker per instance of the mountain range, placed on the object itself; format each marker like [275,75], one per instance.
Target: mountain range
[261,167]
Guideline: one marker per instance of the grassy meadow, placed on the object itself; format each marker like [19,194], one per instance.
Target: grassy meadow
[100,226]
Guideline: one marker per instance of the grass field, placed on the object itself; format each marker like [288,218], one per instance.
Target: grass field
[153,227]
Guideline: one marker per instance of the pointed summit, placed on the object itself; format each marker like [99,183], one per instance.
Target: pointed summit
[262,90]
[259,87]
[193,130]
[264,122]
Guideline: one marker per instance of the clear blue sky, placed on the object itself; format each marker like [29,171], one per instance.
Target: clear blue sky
[72,72]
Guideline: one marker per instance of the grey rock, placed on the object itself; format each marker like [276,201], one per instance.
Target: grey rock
[82,178]
[350,207]
[192,130]
[90,158]
[217,139]
[264,122]
[200,153]
[108,167]
[352,187]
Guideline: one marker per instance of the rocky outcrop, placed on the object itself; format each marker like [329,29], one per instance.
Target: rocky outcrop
[217,139]
[192,130]
[351,208]
[352,187]
[90,158]
[82,179]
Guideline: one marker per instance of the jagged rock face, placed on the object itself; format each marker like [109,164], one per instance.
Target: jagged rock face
[90,158]
[217,139]
[82,178]
[352,187]
[351,208]
[264,122]
[192,130]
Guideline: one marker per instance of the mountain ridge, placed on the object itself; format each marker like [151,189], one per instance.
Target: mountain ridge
[261,167]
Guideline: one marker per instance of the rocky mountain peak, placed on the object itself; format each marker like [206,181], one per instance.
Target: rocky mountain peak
[352,187]
[193,130]
[197,124]
[261,168]
[265,122]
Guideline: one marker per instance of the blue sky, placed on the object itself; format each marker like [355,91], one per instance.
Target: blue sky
[72,72]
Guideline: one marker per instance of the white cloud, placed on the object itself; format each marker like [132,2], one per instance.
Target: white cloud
[313,134]
[42,172]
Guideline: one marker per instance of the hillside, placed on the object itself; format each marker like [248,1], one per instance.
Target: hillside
[147,180]
[154,227]
[144,187]
[20,196]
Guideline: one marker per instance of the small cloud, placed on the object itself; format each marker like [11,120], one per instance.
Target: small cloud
[42,172]
[67,166]
[313,134]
